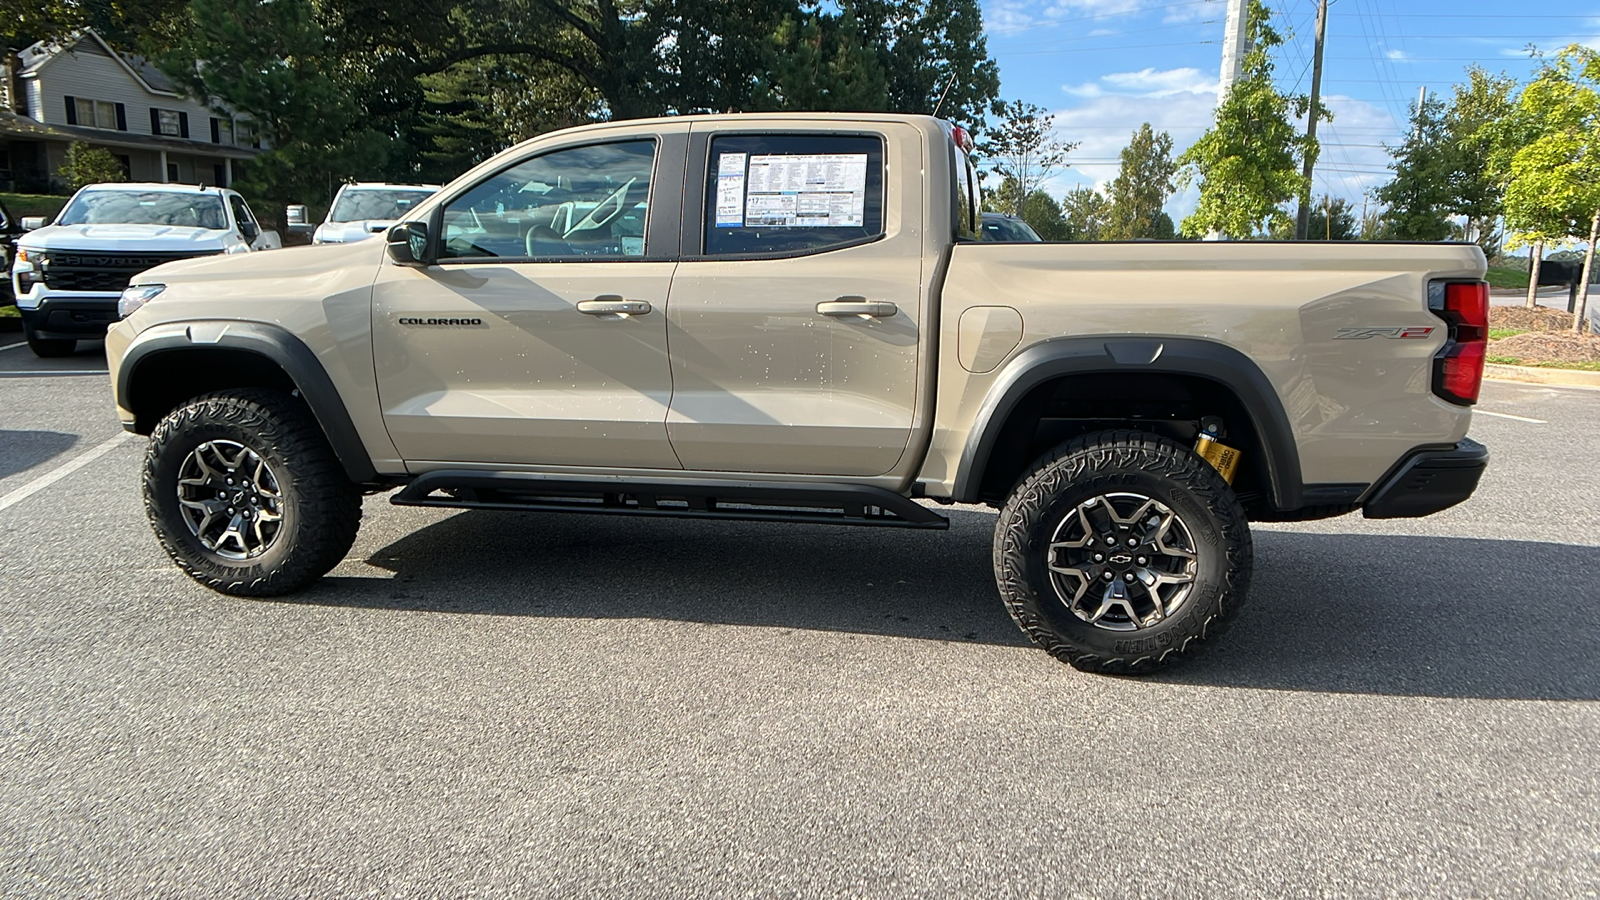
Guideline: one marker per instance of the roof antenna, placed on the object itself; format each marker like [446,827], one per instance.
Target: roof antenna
[944,94]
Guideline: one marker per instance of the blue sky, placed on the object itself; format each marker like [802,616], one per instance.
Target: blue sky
[1105,66]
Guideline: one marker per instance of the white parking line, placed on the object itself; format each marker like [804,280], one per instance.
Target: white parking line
[14,346]
[35,373]
[61,471]
[1485,412]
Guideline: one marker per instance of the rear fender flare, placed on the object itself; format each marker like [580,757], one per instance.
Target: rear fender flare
[1110,354]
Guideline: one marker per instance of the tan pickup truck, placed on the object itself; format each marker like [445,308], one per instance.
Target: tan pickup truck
[788,318]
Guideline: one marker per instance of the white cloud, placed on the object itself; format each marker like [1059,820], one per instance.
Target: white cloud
[1102,126]
[1397,55]
[1161,82]
[1146,83]
[1182,102]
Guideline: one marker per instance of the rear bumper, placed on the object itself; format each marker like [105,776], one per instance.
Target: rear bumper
[77,317]
[1428,481]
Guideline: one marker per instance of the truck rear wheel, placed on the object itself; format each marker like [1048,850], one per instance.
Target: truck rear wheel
[246,496]
[1122,552]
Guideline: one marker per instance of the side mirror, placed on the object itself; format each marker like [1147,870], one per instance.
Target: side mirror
[297,219]
[34,223]
[250,231]
[408,243]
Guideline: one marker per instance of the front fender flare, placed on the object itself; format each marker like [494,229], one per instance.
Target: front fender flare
[1111,354]
[276,345]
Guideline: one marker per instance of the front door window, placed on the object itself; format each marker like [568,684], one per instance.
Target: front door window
[579,203]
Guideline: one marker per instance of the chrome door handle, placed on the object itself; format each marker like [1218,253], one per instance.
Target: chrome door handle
[857,306]
[613,305]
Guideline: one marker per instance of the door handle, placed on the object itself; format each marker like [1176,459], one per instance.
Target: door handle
[613,305]
[857,306]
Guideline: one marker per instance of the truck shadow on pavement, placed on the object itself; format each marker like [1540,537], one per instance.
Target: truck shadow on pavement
[26,449]
[1342,613]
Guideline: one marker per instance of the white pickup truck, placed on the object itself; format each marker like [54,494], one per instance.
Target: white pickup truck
[69,273]
[360,211]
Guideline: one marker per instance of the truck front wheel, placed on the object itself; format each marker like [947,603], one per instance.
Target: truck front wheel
[1122,552]
[246,496]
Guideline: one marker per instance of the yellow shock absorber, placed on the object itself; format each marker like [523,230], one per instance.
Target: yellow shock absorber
[1222,457]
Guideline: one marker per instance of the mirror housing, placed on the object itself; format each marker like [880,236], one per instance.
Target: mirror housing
[34,223]
[297,218]
[408,243]
[249,231]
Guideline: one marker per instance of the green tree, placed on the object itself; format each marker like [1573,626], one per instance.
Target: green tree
[1141,188]
[413,90]
[1332,219]
[1248,163]
[825,64]
[931,51]
[1084,211]
[1477,105]
[90,165]
[1039,209]
[1420,199]
[1023,148]
[1553,187]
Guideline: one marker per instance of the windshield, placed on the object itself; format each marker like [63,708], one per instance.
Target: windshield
[997,228]
[188,210]
[372,203]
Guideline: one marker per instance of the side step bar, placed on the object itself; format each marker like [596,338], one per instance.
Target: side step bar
[682,498]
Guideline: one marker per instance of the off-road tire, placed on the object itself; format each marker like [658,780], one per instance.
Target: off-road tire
[320,507]
[1120,463]
[50,348]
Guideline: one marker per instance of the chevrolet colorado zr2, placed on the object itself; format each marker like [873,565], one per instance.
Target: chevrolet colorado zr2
[789,318]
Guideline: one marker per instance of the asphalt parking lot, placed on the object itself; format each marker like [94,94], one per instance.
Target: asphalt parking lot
[491,704]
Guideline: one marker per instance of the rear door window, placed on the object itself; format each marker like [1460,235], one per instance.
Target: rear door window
[791,194]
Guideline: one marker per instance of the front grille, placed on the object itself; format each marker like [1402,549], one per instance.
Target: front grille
[84,270]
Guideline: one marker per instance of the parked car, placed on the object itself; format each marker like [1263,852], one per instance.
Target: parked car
[1002,228]
[360,211]
[68,274]
[10,229]
[786,318]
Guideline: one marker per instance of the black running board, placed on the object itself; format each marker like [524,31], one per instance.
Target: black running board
[680,498]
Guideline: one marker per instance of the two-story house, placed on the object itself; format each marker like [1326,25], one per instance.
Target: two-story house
[52,94]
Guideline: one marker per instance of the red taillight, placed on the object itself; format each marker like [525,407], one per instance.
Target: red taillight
[962,138]
[1458,368]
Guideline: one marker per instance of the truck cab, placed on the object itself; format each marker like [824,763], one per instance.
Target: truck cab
[69,273]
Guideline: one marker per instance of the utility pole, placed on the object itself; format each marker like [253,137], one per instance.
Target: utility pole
[1303,220]
[1233,48]
[1234,40]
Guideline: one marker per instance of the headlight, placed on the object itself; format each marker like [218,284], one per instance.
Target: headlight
[135,297]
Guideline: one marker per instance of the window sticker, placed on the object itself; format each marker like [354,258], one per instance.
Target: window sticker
[730,190]
[824,190]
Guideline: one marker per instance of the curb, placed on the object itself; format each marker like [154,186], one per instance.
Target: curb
[1540,375]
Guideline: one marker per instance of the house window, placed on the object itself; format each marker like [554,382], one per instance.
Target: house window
[168,123]
[247,134]
[95,113]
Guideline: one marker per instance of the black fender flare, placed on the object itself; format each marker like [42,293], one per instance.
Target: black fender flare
[1196,357]
[278,346]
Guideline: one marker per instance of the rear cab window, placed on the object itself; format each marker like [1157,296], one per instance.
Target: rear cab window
[792,194]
